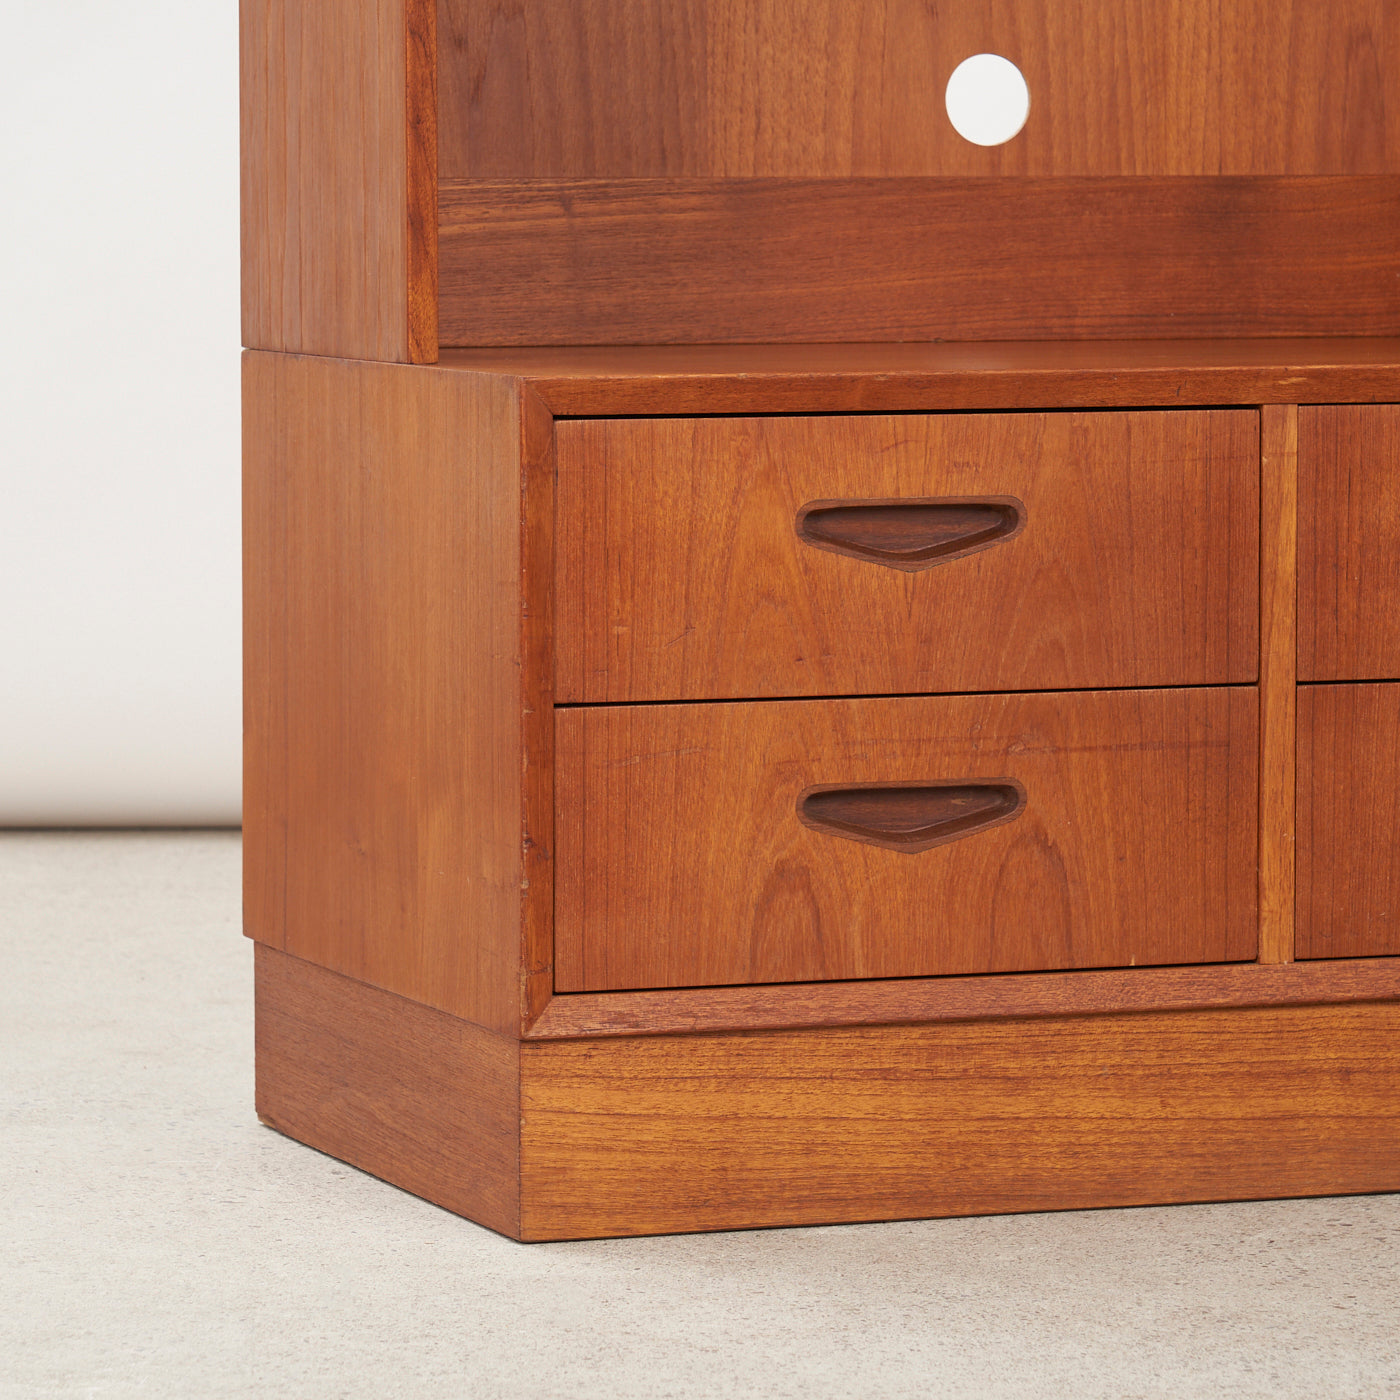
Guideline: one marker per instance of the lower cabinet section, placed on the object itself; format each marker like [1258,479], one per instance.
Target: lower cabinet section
[792,841]
[1348,859]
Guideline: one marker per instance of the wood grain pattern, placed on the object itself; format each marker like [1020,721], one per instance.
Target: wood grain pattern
[1349,542]
[625,1136]
[896,1001]
[339,177]
[670,1133]
[409,1094]
[420,175]
[1278,691]
[642,261]
[1348,818]
[536,681]
[681,860]
[829,88]
[681,574]
[383,689]
[689,379]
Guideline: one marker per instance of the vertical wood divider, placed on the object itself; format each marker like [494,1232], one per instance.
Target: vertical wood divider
[1278,678]
[420,18]
[537,699]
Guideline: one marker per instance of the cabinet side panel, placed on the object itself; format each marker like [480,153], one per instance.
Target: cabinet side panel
[409,1094]
[716,1132]
[339,178]
[383,700]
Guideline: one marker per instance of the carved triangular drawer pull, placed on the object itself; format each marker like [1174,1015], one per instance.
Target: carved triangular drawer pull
[911,533]
[910,816]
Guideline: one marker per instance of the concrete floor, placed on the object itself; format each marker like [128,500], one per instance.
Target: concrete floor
[159,1242]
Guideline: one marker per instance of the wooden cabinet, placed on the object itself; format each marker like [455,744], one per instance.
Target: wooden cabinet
[793,841]
[783,684]
[706,558]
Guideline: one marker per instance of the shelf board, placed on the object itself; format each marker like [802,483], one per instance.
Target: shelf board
[586,381]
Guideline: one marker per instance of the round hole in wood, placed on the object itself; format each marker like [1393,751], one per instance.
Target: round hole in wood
[987,99]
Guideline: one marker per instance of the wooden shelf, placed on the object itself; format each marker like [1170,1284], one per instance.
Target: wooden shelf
[892,378]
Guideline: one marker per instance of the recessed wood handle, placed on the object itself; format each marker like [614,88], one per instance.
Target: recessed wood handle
[910,816]
[911,533]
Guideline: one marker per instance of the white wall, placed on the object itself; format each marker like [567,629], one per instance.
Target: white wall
[119,672]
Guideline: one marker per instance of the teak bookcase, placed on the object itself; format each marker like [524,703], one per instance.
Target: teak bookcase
[800,669]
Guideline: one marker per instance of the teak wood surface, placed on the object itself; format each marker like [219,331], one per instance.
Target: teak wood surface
[573,1139]
[1208,192]
[925,1000]
[389,815]
[339,177]
[671,1133]
[1278,675]
[413,1095]
[792,160]
[670,380]
[1348,818]
[681,860]
[614,89]
[619,261]
[681,574]
[601,160]
[1349,541]
[282,502]
[368,487]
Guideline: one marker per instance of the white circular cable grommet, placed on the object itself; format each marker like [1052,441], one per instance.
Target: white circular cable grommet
[987,99]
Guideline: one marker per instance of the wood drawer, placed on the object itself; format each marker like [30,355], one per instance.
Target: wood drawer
[1348,820]
[1349,542]
[1097,829]
[1107,549]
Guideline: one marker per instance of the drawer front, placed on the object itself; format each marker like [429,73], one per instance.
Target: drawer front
[1348,821]
[736,558]
[1349,542]
[801,840]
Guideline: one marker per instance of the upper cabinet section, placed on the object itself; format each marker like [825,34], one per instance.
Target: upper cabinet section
[466,173]
[644,172]
[724,89]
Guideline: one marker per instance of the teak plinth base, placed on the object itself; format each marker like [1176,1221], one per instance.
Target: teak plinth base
[576,1139]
